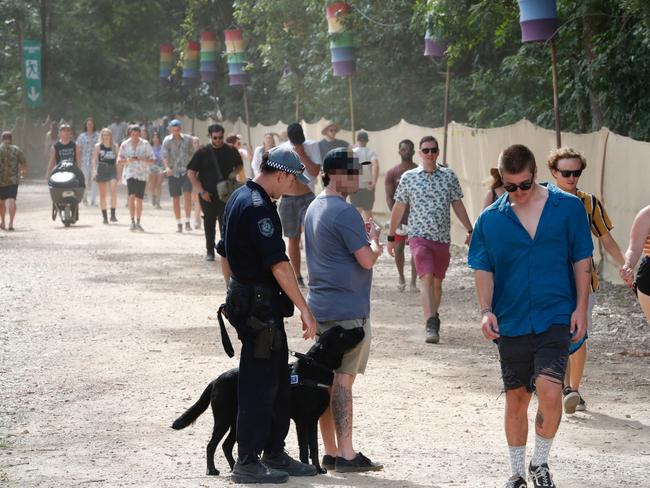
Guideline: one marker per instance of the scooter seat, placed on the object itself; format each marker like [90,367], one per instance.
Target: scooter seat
[63,177]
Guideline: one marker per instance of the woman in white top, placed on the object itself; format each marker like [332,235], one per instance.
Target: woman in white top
[268,143]
[85,146]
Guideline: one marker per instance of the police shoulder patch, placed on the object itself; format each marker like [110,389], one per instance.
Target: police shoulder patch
[258,201]
[266,227]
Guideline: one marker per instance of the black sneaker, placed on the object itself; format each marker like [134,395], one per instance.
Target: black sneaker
[179,228]
[256,472]
[105,221]
[286,463]
[188,226]
[571,399]
[113,218]
[328,462]
[433,330]
[541,476]
[582,406]
[516,482]
[359,464]
[209,256]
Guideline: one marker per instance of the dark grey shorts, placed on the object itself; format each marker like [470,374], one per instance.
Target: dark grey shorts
[8,192]
[524,358]
[364,199]
[292,211]
[180,185]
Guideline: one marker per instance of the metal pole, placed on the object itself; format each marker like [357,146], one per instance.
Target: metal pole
[556,100]
[446,114]
[351,108]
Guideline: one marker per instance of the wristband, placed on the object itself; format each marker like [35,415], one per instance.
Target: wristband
[390,238]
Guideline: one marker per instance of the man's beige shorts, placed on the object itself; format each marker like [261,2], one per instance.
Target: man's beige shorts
[355,360]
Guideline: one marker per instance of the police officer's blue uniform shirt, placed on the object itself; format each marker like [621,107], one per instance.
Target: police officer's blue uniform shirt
[252,235]
[534,284]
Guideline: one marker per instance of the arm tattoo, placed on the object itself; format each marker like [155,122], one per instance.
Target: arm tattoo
[342,410]
[539,420]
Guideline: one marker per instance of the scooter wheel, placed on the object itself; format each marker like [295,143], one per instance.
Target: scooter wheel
[67,216]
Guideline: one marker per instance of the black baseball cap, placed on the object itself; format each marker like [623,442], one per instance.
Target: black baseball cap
[341,158]
[295,133]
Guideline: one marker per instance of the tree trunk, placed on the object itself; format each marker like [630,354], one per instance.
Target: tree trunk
[593,25]
[45,27]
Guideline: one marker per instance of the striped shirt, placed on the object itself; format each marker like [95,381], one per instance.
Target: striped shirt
[599,224]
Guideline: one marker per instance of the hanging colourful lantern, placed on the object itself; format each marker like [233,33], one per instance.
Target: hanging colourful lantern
[191,63]
[236,57]
[433,47]
[538,20]
[166,60]
[208,56]
[342,48]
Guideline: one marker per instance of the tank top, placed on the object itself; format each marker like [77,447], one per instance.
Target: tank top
[106,155]
[646,246]
[65,151]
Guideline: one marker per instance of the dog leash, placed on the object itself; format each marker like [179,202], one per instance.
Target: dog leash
[225,338]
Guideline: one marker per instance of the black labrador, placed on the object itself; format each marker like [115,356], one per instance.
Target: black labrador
[310,377]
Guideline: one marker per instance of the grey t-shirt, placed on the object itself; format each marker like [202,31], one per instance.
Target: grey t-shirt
[339,288]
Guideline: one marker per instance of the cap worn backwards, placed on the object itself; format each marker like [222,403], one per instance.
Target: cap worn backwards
[175,123]
[341,158]
[288,161]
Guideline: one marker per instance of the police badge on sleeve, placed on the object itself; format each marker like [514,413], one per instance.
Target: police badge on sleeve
[266,227]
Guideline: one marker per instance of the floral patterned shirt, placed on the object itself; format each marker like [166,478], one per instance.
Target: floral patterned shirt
[429,196]
[139,169]
[11,160]
[177,153]
[86,143]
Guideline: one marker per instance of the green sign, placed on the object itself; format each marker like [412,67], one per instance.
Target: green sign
[32,73]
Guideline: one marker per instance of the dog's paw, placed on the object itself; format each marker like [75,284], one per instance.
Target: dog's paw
[212,472]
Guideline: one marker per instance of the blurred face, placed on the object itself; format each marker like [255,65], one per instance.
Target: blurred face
[217,139]
[406,152]
[65,134]
[519,186]
[345,181]
[429,153]
[175,131]
[90,125]
[269,141]
[135,134]
[330,133]
[568,174]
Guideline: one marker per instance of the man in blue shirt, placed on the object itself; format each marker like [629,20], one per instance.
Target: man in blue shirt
[340,257]
[531,252]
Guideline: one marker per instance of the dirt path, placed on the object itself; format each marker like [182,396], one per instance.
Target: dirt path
[105,339]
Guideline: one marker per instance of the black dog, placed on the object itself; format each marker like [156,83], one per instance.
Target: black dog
[311,375]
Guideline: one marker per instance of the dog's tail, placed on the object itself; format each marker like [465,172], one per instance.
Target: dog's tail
[193,413]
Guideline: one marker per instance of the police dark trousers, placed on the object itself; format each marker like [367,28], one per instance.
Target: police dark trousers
[212,213]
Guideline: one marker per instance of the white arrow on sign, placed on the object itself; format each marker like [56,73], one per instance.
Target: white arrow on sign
[33,95]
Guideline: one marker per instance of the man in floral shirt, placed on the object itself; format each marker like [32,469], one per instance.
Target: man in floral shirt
[430,191]
[12,167]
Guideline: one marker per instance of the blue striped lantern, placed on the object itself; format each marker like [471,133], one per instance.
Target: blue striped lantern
[538,20]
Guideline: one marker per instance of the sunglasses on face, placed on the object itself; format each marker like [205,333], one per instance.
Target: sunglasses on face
[427,150]
[523,186]
[217,138]
[567,173]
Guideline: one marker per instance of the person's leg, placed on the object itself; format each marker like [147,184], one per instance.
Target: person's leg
[138,204]
[11,208]
[414,275]
[280,418]
[427,295]
[209,224]
[644,301]
[399,262]
[294,254]
[197,211]
[576,367]
[3,211]
[341,406]
[176,204]
[132,207]
[87,172]
[328,430]
[367,214]
[436,290]
[187,201]
[113,189]
[102,195]
[516,427]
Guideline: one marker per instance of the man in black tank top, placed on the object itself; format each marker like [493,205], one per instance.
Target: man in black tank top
[64,149]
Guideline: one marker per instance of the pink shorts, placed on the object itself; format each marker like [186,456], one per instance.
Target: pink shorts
[430,257]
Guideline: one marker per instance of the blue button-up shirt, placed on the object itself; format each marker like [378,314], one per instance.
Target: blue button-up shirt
[534,284]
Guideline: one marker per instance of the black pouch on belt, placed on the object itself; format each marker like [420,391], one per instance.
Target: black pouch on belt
[267,337]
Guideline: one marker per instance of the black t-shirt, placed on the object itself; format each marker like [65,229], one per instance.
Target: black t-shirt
[252,235]
[106,155]
[65,151]
[202,162]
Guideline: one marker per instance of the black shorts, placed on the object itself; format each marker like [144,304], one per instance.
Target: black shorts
[135,187]
[178,186]
[106,172]
[642,281]
[8,192]
[524,358]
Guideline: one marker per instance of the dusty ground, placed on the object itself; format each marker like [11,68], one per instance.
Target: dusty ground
[105,339]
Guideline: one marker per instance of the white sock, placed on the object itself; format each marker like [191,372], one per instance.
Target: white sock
[518,460]
[542,450]
[187,220]
[179,221]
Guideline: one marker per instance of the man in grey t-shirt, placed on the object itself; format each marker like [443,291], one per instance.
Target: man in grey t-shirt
[340,256]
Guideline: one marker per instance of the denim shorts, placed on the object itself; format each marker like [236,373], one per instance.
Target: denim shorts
[524,358]
[292,211]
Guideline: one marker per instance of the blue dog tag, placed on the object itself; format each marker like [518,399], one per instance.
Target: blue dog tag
[294,379]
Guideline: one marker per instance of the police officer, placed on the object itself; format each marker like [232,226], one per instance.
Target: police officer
[262,289]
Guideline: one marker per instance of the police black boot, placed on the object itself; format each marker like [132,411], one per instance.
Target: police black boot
[433,330]
[286,463]
[251,470]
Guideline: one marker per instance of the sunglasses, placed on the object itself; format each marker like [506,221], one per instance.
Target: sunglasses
[567,173]
[523,186]
[217,138]
[427,150]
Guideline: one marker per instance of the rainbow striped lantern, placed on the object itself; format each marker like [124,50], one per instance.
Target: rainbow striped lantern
[191,64]
[236,55]
[538,20]
[434,48]
[344,59]
[166,60]
[208,56]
